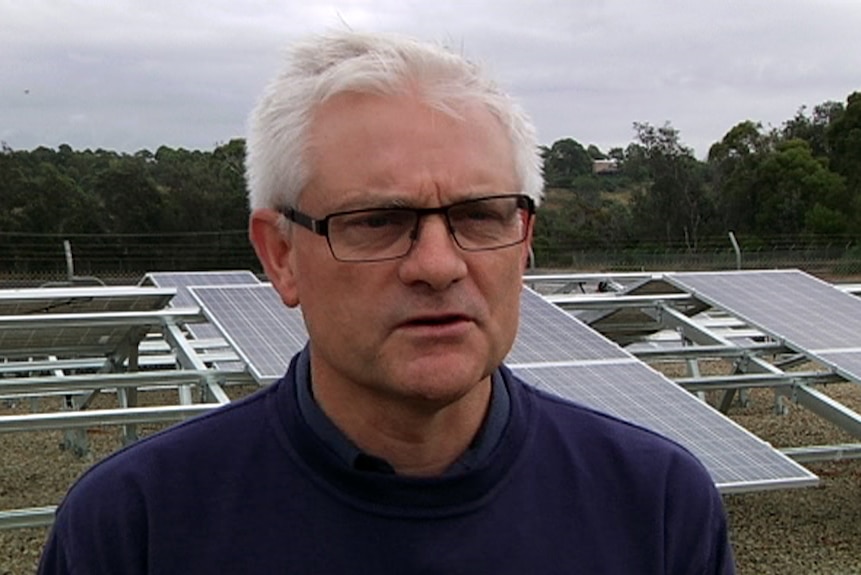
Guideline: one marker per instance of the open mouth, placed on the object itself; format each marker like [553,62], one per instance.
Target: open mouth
[437,320]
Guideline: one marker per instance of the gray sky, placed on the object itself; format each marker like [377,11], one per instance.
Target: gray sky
[126,75]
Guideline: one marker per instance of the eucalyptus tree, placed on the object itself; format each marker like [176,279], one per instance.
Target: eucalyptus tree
[798,194]
[564,161]
[675,206]
[813,128]
[844,140]
[733,163]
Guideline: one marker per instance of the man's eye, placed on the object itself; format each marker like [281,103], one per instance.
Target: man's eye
[376,220]
[479,215]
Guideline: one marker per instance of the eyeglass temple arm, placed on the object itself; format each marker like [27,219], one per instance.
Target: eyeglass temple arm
[319,227]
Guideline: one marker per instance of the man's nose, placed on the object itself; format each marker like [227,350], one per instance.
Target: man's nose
[434,258]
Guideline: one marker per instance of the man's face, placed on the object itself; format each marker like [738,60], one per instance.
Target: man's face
[429,327]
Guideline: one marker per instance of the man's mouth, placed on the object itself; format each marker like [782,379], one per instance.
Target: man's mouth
[436,320]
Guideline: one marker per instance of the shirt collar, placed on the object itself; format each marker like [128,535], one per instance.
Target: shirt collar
[482,445]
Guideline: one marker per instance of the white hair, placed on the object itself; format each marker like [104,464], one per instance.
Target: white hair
[276,165]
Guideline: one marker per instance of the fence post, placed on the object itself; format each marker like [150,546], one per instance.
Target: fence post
[736,249]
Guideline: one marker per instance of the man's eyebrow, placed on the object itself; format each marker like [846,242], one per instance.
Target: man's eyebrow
[373,203]
[365,202]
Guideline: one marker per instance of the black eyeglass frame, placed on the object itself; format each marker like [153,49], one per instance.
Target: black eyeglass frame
[321,226]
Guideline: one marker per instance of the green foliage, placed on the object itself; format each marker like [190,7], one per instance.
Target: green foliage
[563,161]
[48,195]
[675,206]
[733,162]
[202,191]
[850,263]
[130,197]
[844,139]
[791,183]
[64,191]
[800,181]
[594,153]
[780,182]
[813,129]
[822,220]
[569,222]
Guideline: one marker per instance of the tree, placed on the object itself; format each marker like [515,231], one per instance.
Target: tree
[617,154]
[568,223]
[131,198]
[11,195]
[734,162]
[595,153]
[229,159]
[798,194]
[563,161]
[55,204]
[813,129]
[844,139]
[675,205]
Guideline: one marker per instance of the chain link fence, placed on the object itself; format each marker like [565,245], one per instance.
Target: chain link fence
[35,259]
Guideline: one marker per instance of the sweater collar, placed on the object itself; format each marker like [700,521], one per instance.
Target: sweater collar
[342,447]
[465,485]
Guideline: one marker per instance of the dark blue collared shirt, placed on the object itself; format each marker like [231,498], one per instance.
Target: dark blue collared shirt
[482,445]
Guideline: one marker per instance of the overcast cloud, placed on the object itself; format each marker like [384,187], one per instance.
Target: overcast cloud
[127,75]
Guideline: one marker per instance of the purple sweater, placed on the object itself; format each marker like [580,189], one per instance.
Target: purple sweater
[250,489]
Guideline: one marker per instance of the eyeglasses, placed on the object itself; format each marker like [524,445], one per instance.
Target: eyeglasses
[379,234]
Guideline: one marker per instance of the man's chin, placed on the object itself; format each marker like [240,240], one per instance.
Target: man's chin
[443,381]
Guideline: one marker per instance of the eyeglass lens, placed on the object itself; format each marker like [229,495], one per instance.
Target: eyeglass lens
[484,224]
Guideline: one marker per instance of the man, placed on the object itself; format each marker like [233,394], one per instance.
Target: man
[393,190]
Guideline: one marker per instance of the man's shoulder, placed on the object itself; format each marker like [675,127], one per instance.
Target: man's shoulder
[204,438]
[167,478]
[599,437]
[620,473]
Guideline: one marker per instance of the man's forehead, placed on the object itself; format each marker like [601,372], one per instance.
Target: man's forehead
[465,110]
[347,118]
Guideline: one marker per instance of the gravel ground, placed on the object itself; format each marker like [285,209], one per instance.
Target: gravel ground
[793,531]
[808,530]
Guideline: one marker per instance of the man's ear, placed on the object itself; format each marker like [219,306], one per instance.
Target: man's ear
[274,250]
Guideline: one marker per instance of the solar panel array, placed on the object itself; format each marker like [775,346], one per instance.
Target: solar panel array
[806,313]
[263,331]
[19,339]
[184,280]
[553,351]
[591,370]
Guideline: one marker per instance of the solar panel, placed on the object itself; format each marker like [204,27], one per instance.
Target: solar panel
[32,301]
[253,319]
[184,280]
[585,367]
[66,342]
[736,459]
[804,312]
[845,362]
[547,333]
[80,338]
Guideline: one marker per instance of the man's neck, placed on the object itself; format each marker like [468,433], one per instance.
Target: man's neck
[416,438]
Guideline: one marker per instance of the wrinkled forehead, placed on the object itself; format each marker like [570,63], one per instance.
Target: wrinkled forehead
[384,139]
